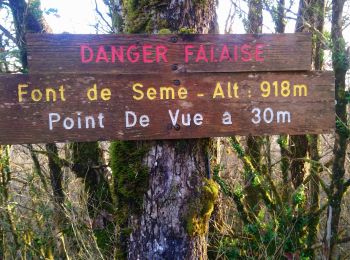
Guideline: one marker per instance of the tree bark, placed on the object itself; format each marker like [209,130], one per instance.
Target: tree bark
[254,144]
[314,193]
[86,160]
[340,62]
[280,20]
[170,225]
[310,18]
[56,175]
[172,220]
[255,18]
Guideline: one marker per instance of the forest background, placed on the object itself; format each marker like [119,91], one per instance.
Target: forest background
[275,197]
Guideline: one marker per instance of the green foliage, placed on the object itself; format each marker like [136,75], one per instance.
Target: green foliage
[274,231]
[225,188]
[35,10]
[4,160]
[239,192]
[51,11]
[347,96]
[237,147]
[227,246]
[138,19]
[282,141]
[340,58]
[299,196]
[104,238]
[342,128]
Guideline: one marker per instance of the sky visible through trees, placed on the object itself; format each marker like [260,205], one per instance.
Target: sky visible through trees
[68,20]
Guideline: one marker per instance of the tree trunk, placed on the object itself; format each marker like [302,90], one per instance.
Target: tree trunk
[56,174]
[280,23]
[310,14]
[255,18]
[254,144]
[298,143]
[177,206]
[86,159]
[314,184]
[171,221]
[27,18]
[340,66]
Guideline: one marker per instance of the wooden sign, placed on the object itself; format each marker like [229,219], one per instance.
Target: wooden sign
[141,54]
[65,107]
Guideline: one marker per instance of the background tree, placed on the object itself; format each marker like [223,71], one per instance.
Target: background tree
[338,185]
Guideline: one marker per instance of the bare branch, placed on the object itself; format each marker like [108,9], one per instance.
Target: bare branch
[343,240]
[230,19]
[8,34]
[102,17]
[3,3]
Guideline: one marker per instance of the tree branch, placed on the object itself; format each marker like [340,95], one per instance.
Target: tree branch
[101,16]
[343,240]
[8,34]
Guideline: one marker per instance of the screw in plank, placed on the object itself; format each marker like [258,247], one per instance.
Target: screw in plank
[173,39]
[177,82]
[177,127]
[174,67]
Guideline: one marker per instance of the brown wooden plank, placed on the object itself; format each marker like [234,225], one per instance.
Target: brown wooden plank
[300,110]
[143,54]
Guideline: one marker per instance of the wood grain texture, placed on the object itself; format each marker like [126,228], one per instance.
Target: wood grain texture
[50,53]
[28,121]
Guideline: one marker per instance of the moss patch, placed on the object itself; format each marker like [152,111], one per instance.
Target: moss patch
[201,209]
[185,30]
[138,15]
[130,182]
[164,31]
[130,176]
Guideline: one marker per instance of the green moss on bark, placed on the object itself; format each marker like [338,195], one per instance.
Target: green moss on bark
[130,176]
[138,15]
[201,209]
[130,182]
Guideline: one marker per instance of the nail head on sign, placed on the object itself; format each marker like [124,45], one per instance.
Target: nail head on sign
[177,82]
[173,39]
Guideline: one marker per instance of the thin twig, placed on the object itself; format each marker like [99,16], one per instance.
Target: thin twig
[102,17]
[8,34]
